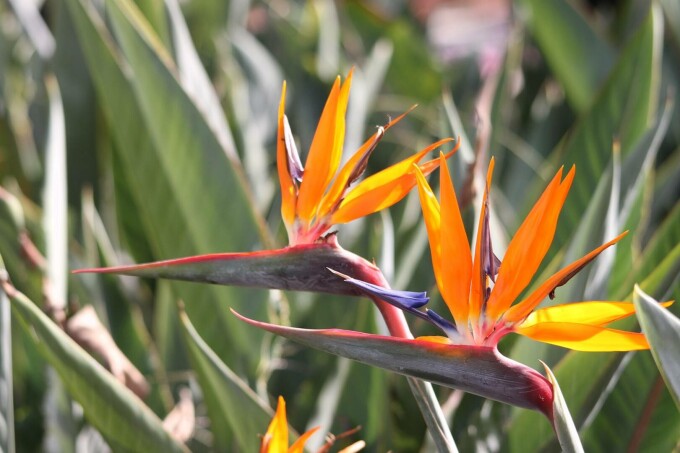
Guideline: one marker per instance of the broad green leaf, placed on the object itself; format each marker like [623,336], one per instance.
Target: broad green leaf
[623,109]
[479,370]
[663,332]
[195,80]
[578,56]
[6,388]
[237,414]
[109,406]
[165,146]
[154,12]
[564,425]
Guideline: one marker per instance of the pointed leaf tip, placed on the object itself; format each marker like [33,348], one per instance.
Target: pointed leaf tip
[662,329]
[561,418]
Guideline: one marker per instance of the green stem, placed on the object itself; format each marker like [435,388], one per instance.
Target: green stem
[422,390]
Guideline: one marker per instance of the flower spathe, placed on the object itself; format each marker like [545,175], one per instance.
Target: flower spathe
[275,439]
[481,290]
[320,194]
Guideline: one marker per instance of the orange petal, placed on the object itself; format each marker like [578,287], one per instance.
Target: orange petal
[381,190]
[435,339]
[476,294]
[529,245]
[456,259]
[432,216]
[520,311]
[285,179]
[276,438]
[299,445]
[342,180]
[595,313]
[584,337]
[325,152]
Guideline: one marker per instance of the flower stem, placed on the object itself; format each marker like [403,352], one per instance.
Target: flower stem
[422,390]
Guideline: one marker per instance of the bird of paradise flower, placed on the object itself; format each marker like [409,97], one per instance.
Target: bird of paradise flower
[480,291]
[317,196]
[275,439]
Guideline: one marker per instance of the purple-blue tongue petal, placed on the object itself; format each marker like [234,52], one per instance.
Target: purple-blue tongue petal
[406,300]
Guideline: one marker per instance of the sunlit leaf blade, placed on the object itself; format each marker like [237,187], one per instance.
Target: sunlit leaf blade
[55,216]
[663,333]
[35,27]
[108,405]
[482,371]
[164,146]
[623,109]
[155,12]
[565,37]
[637,177]
[195,80]
[6,388]
[296,268]
[235,410]
[562,421]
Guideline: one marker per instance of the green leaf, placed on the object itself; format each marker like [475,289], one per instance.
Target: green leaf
[662,330]
[563,423]
[154,12]
[479,370]
[664,240]
[195,80]
[237,414]
[166,148]
[566,38]
[108,405]
[623,109]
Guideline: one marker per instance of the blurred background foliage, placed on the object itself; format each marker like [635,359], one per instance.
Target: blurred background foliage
[142,130]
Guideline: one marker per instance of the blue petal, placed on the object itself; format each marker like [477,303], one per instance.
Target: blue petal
[406,300]
[444,324]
